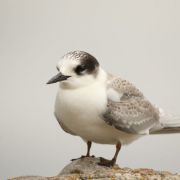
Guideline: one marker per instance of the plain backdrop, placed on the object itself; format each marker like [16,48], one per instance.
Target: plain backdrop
[136,39]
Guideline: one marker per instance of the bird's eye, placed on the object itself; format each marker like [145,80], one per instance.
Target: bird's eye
[79,69]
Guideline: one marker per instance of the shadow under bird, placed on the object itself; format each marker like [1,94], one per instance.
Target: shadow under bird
[103,108]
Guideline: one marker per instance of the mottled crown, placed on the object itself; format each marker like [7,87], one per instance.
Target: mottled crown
[87,61]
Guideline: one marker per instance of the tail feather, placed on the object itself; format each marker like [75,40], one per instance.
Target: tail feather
[168,124]
[171,130]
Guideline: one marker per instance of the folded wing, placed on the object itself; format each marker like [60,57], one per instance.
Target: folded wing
[132,112]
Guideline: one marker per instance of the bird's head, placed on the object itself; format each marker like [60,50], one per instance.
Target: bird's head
[76,69]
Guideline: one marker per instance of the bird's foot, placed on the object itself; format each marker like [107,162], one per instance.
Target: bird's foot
[82,157]
[106,162]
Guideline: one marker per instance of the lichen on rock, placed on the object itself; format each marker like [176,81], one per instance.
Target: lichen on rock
[88,168]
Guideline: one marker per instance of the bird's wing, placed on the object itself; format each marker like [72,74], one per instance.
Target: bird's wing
[131,113]
[64,127]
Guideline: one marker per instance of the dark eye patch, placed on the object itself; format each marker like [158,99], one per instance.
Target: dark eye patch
[79,69]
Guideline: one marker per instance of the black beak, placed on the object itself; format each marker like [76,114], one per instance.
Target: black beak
[57,78]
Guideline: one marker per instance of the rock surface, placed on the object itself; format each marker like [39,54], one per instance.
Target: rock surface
[87,168]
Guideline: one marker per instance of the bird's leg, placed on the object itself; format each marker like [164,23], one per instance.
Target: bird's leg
[89,143]
[108,163]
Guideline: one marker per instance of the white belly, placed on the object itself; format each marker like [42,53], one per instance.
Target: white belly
[80,111]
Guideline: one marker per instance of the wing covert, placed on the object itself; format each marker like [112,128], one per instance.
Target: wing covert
[132,113]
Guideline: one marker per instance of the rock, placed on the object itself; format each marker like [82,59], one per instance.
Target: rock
[88,168]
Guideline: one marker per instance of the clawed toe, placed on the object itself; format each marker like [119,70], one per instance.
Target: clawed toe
[82,157]
[78,158]
[106,162]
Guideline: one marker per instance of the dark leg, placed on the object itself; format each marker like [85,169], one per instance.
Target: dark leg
[89,143]
[108,163]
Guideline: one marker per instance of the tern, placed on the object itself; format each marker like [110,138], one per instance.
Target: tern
[103,108]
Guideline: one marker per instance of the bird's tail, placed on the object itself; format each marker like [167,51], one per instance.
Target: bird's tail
[168,124]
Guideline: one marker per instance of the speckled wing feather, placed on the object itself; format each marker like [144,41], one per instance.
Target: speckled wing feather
[132,113]
[63,126]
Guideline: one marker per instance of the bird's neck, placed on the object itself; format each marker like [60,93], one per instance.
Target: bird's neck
[101,76]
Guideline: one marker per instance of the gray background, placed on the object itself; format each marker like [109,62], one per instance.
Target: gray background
[139,40]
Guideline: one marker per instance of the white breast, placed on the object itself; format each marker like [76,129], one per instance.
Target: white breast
[80,111]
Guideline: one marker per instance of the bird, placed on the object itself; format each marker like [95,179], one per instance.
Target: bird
[103,108]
